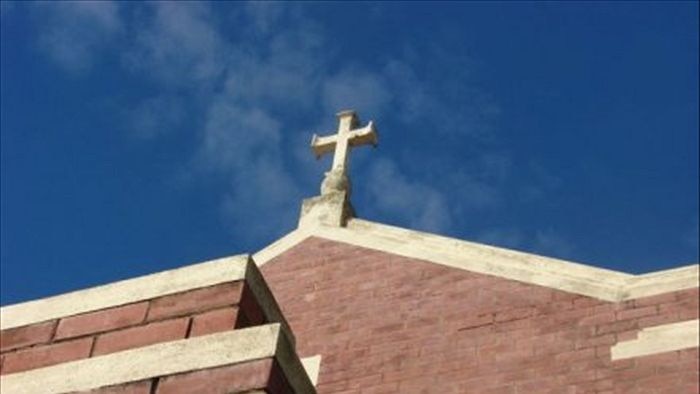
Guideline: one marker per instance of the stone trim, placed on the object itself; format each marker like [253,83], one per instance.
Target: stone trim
[563,275]
[312,365]
[659,339]
[266,300]
[165,359]
[558,274]
[123,292]
[228,269]
[282,245]
[665,281]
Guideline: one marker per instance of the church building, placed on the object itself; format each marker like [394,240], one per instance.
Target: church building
[346,305]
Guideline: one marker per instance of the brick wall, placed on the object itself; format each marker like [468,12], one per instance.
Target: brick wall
[385,324]
[177,316]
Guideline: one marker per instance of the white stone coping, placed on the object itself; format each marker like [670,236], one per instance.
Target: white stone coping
[659,339]
[558,274]
[147,287]
[312,365]
[163,359]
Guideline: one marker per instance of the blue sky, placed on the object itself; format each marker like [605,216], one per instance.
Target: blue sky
[138,137]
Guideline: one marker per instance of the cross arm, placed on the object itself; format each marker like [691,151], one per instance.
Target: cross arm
[364,136]
[322,145]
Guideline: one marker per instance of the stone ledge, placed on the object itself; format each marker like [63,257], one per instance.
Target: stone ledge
[165,359]
[206,274]
[312,365]
[524,267]
[659,339]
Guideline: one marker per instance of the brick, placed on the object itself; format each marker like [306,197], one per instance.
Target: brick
[469,332]
[619,326]
[195,301]
[472,322]
[18,337]
[100,321]
[574,355]
[655,300]
[657,320]
[384,388]
[214,321]
[637,313]
[143,387]
[252,314]
[627,335]
[514,314]
[228,379]
[42,356]
[608,339]
[691,294]
[129,338]
[599,318]
[277,382]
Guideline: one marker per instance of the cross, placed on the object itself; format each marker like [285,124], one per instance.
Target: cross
[347,137]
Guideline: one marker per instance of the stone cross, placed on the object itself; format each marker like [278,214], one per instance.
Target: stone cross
[347,137]
[333,207]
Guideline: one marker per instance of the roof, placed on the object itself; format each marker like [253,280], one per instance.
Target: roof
[554,273]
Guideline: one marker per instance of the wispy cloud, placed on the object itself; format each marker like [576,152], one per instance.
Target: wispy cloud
[75,31]
[544,242]
[549,242]
[275,68]
[361,90]
[435,105]
[425,207]
[504,237]
[156,116]
[177,43]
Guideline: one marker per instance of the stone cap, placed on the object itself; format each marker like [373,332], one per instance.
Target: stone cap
[166,359]
[505,263]
[196,276]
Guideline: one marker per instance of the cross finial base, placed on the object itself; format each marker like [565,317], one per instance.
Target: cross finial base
[336,180]
[330,209]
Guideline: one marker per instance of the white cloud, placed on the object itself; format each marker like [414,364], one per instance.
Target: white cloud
[363,91]
[178,44]
[242,89]
[504,237]
[156,116]
[264,15]
[262,201]
[542,242]
[392,192]
[245,145]
[434,104]
[75,31]
[547,242]
[236,137]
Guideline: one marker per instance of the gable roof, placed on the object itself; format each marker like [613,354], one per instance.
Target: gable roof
[524,267]
[599,283]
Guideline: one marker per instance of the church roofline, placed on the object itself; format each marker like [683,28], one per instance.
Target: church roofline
[603,284]
[191,277]
[600,283]
[165,359]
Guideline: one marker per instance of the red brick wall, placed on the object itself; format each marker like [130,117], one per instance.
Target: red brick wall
[177,316]
[385,323]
